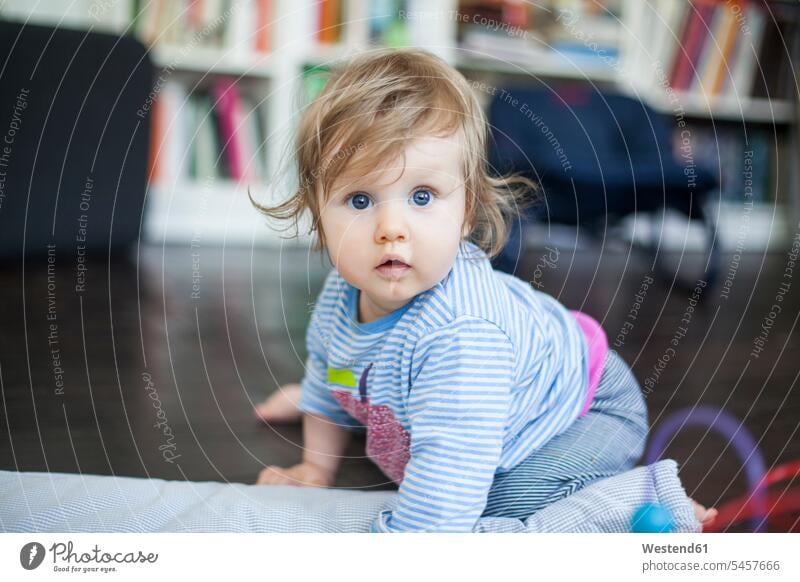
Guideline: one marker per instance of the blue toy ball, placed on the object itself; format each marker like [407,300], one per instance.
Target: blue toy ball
[652,518]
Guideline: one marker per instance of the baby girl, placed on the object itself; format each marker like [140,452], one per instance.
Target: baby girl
[479,395]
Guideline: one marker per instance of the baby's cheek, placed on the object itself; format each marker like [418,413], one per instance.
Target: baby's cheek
[343,240]
[437,266]
[349,273]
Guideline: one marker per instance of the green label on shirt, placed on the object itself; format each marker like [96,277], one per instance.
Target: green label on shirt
[342,377]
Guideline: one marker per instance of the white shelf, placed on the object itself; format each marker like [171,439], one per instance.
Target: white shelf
[211,60]
[327,54]
[208,214]
[551,64]
[725,108]
[528,55]
[546,64]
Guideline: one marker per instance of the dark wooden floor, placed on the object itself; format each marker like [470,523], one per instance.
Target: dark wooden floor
[158,382]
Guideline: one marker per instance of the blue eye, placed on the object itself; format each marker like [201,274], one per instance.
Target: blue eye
[358,201]
[422,197]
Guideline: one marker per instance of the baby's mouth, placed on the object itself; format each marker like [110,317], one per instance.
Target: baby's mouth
[393,263]
[393,268]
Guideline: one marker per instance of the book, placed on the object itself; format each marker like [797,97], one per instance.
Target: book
[226,97]
[264,16]
[174,142]
[240,27]
[739,79]
[206,144]
[206,135]
[669,22]
[158,118]
[329,28]
[692,40]
[724,59]
[732,48]
[707,55]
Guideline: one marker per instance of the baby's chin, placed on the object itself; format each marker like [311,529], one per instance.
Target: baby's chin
[391,295]
[397,292]
[394,291]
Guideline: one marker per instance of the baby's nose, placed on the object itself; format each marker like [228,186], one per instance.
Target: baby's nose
[392,223]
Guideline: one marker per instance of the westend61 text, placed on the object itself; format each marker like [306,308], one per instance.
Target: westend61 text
[675,549]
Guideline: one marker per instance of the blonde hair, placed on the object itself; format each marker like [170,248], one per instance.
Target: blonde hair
[368,112]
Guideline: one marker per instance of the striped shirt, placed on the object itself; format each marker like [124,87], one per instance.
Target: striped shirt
[467,379]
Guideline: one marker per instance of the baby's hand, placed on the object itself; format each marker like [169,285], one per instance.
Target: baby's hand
[303,475]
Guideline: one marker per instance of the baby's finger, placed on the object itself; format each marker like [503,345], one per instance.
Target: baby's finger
[271,476]
[710,516]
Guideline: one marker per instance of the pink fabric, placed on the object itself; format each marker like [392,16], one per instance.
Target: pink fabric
[388,443]
[598,348]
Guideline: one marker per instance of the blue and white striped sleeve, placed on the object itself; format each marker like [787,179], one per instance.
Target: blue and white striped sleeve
[315,396]
[458,407]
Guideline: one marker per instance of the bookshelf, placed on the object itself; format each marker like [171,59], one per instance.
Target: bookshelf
[652,49]
[210,61]
[748,109]
[545,64]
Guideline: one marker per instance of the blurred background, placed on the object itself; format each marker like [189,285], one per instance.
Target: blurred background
[145,305]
